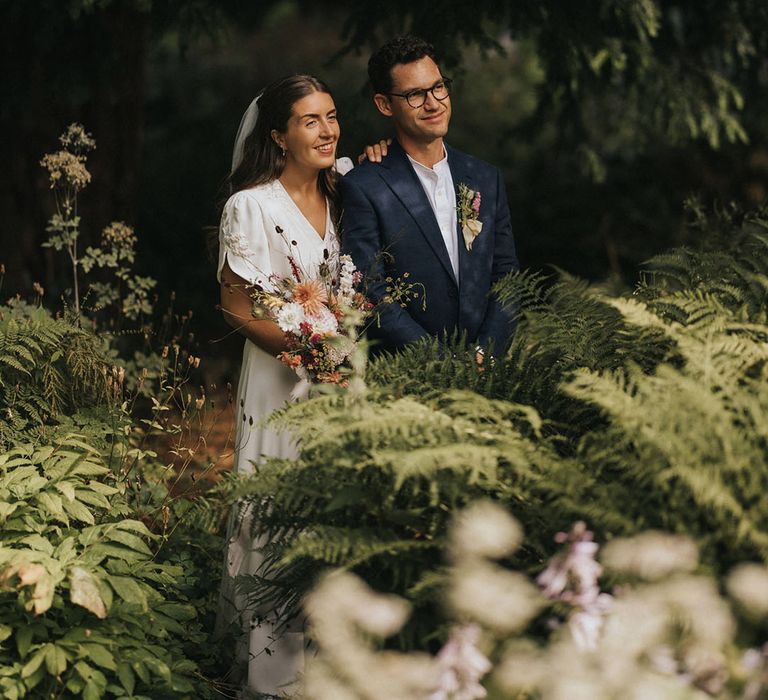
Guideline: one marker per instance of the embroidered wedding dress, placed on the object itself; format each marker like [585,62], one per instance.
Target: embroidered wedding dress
[260,228]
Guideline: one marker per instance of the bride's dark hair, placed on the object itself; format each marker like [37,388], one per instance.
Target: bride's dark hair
[263,160]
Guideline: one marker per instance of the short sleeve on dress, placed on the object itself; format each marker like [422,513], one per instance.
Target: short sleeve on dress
[243,239]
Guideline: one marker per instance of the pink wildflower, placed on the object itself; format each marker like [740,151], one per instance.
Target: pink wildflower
[462,665]
[572,576]
[476,204]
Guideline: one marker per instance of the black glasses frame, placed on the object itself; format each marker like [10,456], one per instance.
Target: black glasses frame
[423,92]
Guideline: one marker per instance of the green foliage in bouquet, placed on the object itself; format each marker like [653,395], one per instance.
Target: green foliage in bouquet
[646,411]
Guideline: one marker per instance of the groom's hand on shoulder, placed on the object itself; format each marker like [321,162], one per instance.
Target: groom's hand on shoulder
[374,153]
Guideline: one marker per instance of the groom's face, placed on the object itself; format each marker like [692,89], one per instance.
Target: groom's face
[424,124]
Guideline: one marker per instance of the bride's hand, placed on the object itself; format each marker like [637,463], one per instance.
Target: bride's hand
[374,153]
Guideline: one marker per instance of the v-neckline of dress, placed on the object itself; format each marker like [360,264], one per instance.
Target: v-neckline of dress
[322,238]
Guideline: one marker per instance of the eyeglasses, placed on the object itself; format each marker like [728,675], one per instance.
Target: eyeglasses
[417,98]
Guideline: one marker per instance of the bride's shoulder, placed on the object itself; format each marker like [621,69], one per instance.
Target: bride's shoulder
[260,194]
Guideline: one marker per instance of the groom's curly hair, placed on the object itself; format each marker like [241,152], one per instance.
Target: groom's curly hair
[402,49]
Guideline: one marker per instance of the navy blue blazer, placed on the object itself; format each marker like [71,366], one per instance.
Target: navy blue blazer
[389,229]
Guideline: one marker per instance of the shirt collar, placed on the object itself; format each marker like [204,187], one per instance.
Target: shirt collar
[436,169]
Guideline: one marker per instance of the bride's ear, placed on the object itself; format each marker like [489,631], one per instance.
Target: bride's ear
[278,139]
[382,104]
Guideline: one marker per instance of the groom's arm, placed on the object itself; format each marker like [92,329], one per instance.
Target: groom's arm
[361,238]
[498,325]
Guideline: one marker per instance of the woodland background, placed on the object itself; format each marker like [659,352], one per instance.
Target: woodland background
[603,116]
[634,395]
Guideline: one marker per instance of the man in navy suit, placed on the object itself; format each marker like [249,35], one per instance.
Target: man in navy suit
[400,220]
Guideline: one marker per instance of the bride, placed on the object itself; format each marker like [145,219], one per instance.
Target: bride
[284,205]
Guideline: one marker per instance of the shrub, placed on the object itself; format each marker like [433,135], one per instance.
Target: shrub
[637,412]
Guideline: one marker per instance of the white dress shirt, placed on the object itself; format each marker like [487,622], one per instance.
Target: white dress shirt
[438,186]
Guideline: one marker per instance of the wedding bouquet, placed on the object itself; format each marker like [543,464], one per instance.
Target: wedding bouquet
[320,317]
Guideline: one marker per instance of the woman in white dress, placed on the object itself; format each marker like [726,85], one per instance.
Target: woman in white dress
[283,206]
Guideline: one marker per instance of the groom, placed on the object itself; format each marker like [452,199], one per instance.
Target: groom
[428,215]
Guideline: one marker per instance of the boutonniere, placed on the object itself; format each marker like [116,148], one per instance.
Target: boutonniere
[468,210]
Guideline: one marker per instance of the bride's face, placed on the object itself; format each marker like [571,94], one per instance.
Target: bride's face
[312,132]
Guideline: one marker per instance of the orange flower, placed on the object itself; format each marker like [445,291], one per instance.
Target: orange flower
[312,295]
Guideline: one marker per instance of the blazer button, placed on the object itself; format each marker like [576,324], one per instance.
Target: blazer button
[452,293]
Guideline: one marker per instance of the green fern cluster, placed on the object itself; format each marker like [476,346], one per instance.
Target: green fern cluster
[48,366]
[647,411]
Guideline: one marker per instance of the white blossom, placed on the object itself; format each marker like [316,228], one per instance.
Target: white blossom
[324,322]
[748,584]
[651,555]
[346,277]
[485,530]
[290,317]
[500,600]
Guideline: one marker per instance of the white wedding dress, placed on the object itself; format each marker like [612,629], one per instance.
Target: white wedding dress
[261,228]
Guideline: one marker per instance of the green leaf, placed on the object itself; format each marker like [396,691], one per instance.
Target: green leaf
[38,543]
[51,503]
[100,551]
[85,671]
[73,441]
[55,660]
[7,509]
[160,668]
[42,454]
[84,591]
[66,550]
[141,671]
[67,489]
[100,655]
[5,632]
[35,678]
[24,640]
[103,489]
[136,526]
[178,611]
[79,512]
[126,676]
[130,540]
[91,498]
[75,685]
[93,691]
[34,663]
[129,590]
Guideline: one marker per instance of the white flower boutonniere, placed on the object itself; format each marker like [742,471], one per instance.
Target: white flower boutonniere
[468,210]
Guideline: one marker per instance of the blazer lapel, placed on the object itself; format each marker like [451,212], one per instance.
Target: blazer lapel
[402,180]
[460,174]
